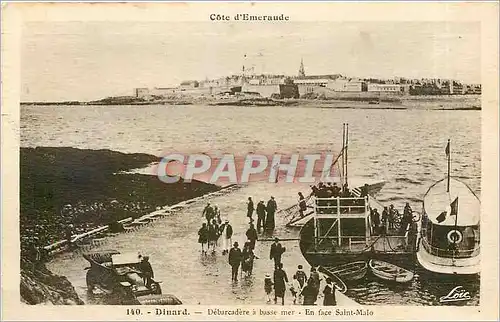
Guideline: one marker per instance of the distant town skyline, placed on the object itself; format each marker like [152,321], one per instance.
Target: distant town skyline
[92,60]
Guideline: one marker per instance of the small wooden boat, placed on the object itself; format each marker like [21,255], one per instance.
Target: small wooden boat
[390,272]
[351,271]
[339,283]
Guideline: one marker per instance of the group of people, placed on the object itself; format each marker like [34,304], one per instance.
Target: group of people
[212,230]
[331,190]
[265,213]
[304,290]
[386,223]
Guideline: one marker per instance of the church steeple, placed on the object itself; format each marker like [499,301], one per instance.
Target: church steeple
[302,71]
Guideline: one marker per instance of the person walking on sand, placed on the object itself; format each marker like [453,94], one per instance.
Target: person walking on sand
[226,233]
[248,257]
[203,237]
[250,209]
[276,252]
[315,282]
[329,293]
[301,276]
[295,289]
[271,209]
[235,257]
[208,212]
[280,280]
[252,236]
[308,293]
[268,287]
[261,215]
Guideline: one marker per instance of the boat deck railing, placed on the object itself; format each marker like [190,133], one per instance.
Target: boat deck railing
[340,205]
[450,253]
[386,244]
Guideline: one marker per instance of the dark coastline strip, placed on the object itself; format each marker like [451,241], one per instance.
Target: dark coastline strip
[132,225]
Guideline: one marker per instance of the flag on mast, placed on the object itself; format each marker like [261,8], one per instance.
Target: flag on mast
[453,212]
[454,207]
[447,150]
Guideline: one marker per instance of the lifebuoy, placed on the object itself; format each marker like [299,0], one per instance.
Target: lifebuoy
[453,240]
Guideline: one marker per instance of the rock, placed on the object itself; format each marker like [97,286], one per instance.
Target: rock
[40,286]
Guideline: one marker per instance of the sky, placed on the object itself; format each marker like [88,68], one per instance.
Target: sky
[91,60]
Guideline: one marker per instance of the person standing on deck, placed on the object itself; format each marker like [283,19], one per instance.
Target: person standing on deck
[329,293]
[364,191]
[252,236]
[385,221]
[302,204]
[226,233]
[261,215]
[203,237]
[335,190]
[271,209]
[375,219]
[393,214]
[235,257]
[276,252]
[280,280]
[250,208]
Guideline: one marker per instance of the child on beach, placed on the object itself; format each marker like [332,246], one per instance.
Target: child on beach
[268,287]
[295,289]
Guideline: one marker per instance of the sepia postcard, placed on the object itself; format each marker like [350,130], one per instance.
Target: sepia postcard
[250,161]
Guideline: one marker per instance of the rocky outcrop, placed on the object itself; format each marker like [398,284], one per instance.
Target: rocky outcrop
[41,286]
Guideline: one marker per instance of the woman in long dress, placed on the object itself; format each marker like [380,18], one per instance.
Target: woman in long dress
[203,237]
[329,293]
[248,257]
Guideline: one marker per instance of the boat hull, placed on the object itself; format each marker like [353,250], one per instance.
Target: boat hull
[404,259]
[442,265]
[400,277]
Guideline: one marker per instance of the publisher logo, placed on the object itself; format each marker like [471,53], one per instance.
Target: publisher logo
[455,295]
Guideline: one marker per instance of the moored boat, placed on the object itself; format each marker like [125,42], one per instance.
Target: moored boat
[449,229]
[339,283]
[341,229]
[350,271]
[390,272]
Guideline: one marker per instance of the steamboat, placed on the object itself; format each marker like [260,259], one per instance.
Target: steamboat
[341,229]
[449,228]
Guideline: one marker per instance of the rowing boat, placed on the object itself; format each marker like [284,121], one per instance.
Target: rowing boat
[390,272]
[351,271]
[339,283]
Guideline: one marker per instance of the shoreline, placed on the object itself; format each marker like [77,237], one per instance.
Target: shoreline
[85,188]
[375,102]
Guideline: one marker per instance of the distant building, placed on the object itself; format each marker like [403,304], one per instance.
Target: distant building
[385,88]
[302,71]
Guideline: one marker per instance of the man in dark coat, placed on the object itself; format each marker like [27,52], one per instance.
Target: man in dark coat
[250,208]
[276,251]
[252,236]
[235,257]
[261,215]
[147,271]
[209,213]
[280,280]
[271,209]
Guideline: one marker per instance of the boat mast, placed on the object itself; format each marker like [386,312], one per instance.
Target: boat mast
[346,144]
[342,151]
[449,163]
